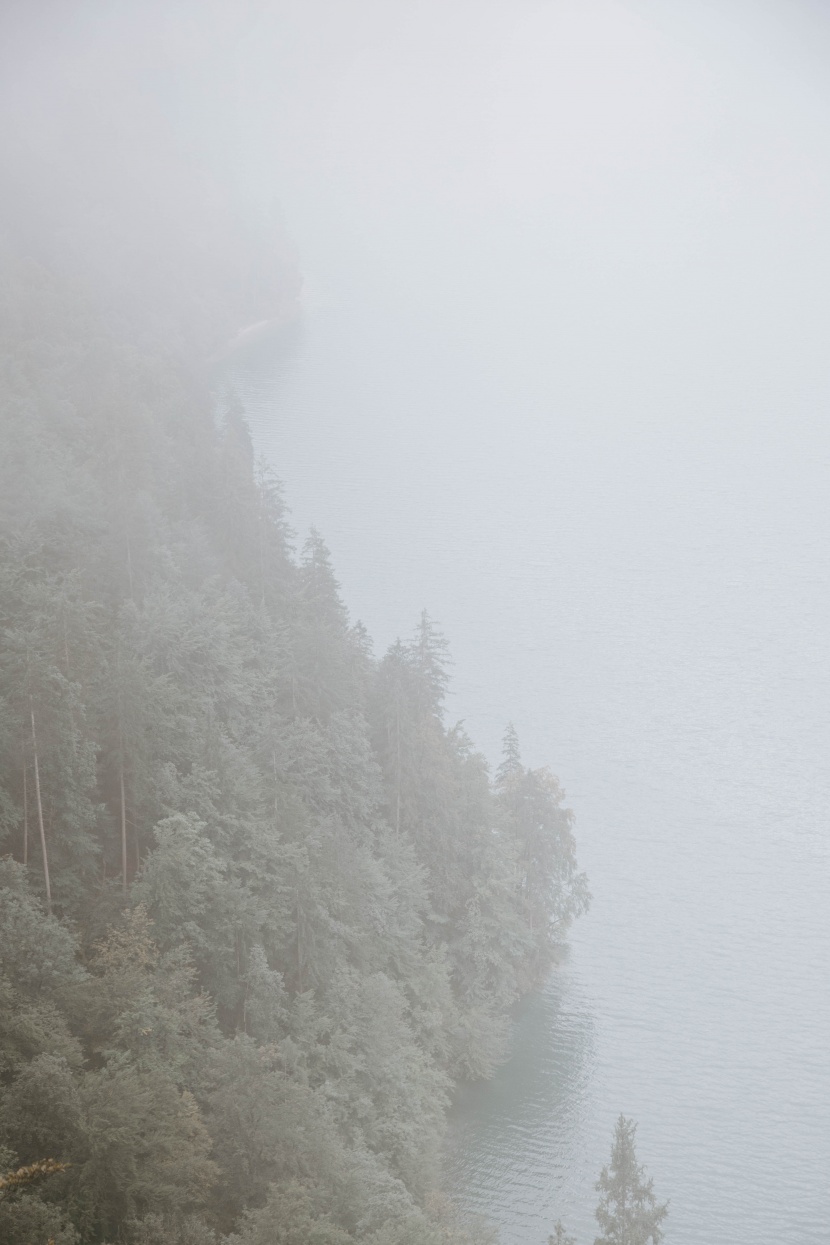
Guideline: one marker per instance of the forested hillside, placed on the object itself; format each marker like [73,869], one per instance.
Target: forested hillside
[260,904]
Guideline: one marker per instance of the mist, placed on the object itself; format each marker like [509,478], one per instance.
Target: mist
[525,307]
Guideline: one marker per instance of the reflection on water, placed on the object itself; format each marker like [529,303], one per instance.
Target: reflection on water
[514,1144]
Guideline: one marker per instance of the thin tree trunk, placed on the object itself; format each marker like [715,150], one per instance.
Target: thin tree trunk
[25,812]
[40,817]
[123,833]
[299,943]
[261,550]
[65,643]
[398,768]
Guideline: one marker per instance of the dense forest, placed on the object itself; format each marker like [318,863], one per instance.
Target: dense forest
[261,905]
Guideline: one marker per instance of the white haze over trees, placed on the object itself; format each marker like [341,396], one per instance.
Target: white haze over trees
[559,272]
[555,182]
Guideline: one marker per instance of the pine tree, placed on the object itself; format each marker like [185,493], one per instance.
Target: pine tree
[628,1212]
[550,891]
[429,656]
[511,767]
[559,1236]
[321,678]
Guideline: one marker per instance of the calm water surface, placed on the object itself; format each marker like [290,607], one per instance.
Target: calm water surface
[648,601]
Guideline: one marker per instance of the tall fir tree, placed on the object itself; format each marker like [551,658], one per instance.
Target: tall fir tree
[628,1212]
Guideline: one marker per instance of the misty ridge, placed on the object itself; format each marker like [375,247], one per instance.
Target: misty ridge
[261,904]
[322,322]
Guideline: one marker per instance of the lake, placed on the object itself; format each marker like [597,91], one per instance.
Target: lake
[647,598]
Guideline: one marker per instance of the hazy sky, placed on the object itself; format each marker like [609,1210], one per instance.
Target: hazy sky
[628,190]
[626,194]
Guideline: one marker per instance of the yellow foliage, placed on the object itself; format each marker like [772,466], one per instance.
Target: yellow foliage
[12,1182]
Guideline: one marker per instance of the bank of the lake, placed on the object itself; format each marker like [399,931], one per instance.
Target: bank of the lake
[652,607]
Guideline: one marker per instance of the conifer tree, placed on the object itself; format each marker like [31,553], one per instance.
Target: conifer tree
[511,765]
[550,890]
[628,1212]
[559,1235]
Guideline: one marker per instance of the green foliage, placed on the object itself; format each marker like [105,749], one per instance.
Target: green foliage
[286,905]
[155,1229]
[147,1149]
[42,1112]
[289,1218]
[628,1212]
[26,1220]
[38,974]
[551,892]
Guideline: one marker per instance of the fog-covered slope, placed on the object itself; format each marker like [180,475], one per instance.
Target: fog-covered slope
[260,903]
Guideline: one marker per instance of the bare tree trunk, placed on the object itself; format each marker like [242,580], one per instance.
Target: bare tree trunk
[123,832]
[65,642]
[398,767]
[299,942]
[40,816]
[261,549]
[124,523]
[25,812]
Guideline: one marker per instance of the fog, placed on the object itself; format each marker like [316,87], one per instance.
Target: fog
[558,373]
[560,184]
[617,206]
[564,380]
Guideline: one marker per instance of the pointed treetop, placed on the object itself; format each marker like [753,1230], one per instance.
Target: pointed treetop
[362,640]
[272,493]
[316,551]
[511,766]
[628,1212]
[320,585]
[429,655]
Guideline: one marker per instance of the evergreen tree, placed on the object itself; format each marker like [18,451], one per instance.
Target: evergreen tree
[511,767]
[628,1212]
[322,644]
[550,890]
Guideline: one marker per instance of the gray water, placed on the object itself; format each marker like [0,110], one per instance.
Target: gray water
[650,605]
[563,380]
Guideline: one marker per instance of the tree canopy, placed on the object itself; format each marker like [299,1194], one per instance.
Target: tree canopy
[628,1212]
[261,904]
